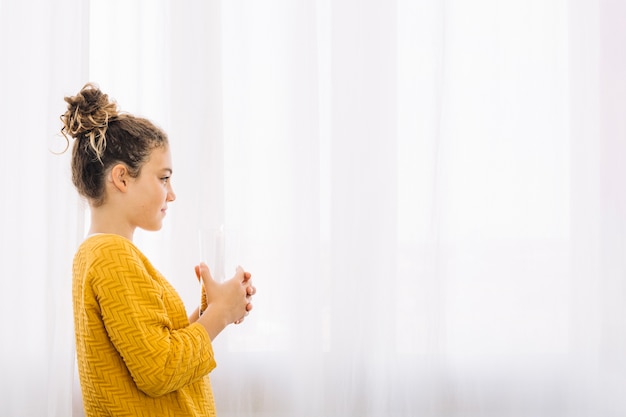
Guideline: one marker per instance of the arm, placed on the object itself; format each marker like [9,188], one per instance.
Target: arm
[135,309]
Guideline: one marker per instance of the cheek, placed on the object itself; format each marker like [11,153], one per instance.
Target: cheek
[161,194]
[156,198]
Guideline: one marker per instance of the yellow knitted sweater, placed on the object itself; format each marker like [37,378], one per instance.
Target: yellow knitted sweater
[137,353]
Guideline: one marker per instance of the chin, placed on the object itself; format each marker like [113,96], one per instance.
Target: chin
[153,227]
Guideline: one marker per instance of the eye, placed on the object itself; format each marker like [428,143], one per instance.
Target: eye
[165,179]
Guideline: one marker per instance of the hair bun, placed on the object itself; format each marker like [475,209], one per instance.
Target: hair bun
[88,115]
[89,110]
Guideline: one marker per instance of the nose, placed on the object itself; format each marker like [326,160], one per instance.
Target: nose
[171,196]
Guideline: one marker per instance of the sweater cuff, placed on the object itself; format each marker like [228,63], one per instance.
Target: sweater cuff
[205,346]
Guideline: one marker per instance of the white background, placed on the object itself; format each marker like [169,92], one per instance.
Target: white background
[429,195]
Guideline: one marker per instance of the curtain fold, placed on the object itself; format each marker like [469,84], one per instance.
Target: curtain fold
[429,195]
[43,59]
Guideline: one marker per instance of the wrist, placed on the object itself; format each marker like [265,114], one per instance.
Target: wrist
[213,320]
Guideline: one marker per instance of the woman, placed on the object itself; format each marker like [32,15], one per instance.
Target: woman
[138,352]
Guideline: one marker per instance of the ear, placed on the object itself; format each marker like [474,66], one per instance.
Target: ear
[119,177]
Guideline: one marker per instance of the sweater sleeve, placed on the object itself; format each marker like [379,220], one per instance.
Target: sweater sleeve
[160,358]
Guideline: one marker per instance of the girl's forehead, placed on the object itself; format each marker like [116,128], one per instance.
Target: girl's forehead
[160,158]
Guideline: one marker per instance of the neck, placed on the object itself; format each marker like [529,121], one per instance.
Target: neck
[103,220]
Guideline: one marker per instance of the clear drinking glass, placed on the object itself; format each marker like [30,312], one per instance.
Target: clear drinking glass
[219,249]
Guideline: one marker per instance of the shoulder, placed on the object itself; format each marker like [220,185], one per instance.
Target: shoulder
[106,244]
[109,251]
[107,258]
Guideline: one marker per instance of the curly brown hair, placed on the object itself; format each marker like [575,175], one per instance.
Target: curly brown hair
[104,137]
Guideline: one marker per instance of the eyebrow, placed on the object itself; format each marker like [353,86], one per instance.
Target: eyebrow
[167,170]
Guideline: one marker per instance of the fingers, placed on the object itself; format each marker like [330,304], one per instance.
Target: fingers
[248,308]
[246,275]
[250,291]
[242,279]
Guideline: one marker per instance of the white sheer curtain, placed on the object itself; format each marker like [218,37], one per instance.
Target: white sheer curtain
[43,50]
[428,193]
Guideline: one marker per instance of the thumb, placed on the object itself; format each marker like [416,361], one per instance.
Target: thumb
[203,272]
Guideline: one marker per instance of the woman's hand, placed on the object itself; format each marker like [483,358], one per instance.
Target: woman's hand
[228,302]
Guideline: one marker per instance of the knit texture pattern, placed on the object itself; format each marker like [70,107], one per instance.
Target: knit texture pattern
[137,353]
